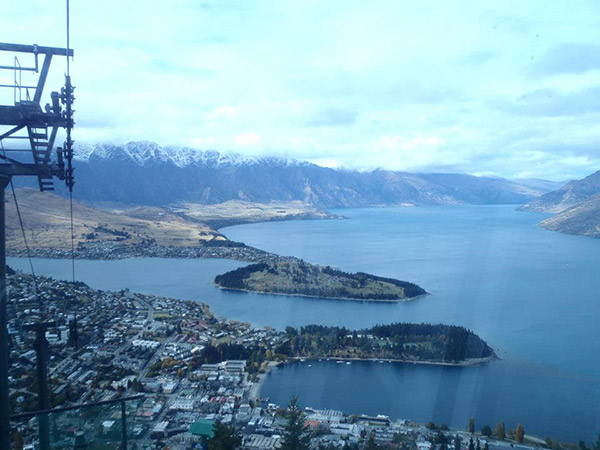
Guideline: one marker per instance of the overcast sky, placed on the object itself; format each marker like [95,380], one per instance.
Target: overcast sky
[510,89]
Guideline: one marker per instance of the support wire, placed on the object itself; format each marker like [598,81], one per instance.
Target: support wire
[12,187]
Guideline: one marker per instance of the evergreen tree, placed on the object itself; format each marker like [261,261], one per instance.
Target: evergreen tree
[478,446]
[371,445]
[294,437]
[471,425]
[471,444]
[519,433]
[224,437]
[500,430]
[486,431]
[457,442]
[486,446]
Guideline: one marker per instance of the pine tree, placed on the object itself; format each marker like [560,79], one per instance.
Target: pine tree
[519,433]
[471,425]
[371,445]
[471,444]
[500,430]
[294,437]
[457,442]
[224,437]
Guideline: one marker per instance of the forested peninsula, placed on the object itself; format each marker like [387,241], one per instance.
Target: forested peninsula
[304,279]
[407,342]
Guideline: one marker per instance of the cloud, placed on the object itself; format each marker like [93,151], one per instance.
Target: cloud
[223,112]
[478,57]
[567,58]
[552,102]
[333,118]
[247,139]
[358,84]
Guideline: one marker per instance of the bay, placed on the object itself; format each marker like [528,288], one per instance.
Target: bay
[531,293]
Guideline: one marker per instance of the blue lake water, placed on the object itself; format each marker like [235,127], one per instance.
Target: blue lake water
[531,293]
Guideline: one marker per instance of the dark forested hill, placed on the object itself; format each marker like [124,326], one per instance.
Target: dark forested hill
[401,341]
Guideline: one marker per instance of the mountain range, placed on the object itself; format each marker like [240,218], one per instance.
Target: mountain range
[576,206]
[581,219]
[144,173]
[567,196]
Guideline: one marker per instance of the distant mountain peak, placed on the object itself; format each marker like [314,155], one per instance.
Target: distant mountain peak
[146,152]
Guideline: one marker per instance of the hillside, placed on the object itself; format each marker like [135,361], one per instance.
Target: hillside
[582,219]
[301,278]
[235,212]
[569,195]
[47,223]
[143,173]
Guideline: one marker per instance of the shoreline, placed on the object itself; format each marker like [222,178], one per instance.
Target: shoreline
[372,300]
[466,363]
[254,392]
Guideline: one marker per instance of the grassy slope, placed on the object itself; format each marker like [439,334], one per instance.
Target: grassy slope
[46,220]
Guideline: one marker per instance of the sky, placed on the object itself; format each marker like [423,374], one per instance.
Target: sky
[507,88]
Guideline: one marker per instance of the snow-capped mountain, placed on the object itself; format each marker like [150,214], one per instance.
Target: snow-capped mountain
[145,152]
[144,173]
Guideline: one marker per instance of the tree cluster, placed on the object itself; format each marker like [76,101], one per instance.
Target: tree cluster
[396,341]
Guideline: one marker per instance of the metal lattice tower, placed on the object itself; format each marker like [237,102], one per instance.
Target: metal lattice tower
[27,136]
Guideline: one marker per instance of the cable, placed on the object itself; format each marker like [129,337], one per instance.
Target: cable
[69,147]
[35,287]
[72,237]
[68,66]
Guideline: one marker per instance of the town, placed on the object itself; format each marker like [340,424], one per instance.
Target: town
[177,369]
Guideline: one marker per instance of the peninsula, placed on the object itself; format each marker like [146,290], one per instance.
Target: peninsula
[409,342]
[298,277]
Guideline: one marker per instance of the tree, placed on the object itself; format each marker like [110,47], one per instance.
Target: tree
[457,442]
[471,425]
[224,437]
[371,445]
[486,431]
[519,433]
[471,444]
[500,430]
[294,437]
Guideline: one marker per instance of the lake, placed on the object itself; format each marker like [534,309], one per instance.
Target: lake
[531,294]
